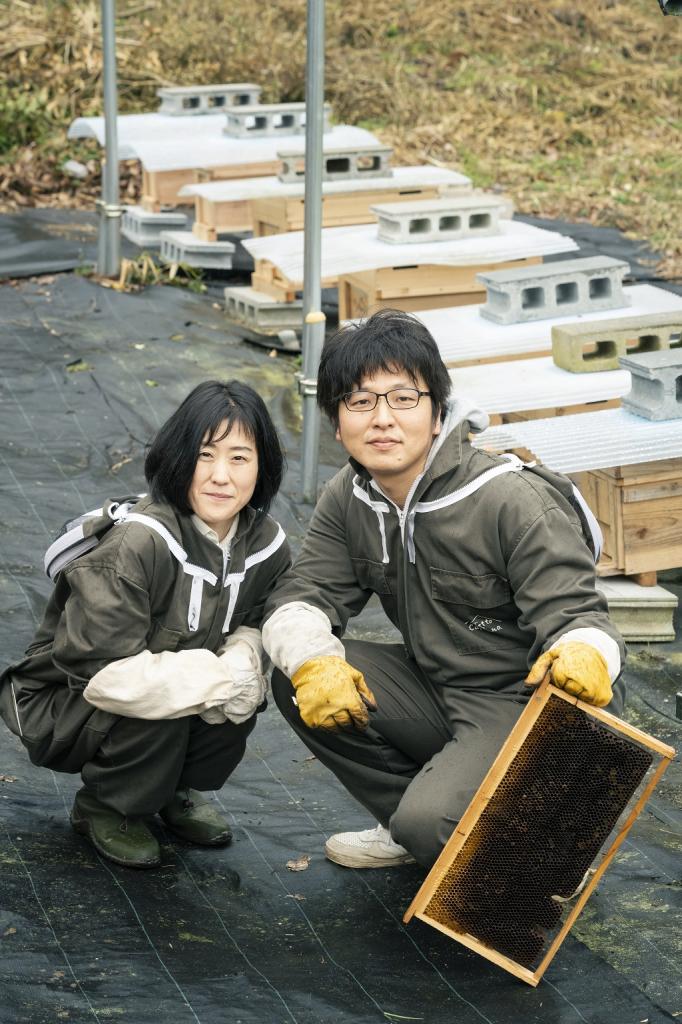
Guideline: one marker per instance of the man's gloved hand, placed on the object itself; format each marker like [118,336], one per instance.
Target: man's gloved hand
[332,694]
[577,668]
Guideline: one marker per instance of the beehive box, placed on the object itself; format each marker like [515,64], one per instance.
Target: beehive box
[524,858]
[639,509]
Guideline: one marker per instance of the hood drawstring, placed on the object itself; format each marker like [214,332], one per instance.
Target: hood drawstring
[380,508]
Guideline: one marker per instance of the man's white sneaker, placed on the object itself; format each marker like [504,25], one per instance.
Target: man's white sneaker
[372,848]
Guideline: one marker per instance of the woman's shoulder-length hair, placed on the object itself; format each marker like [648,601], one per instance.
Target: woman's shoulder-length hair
[172,456]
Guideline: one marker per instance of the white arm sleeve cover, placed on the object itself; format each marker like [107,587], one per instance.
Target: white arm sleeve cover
[601,641]
[174,684]
[297,632]
[242,655]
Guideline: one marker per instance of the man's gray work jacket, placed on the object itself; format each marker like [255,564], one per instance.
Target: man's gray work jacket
[142,588]
[478,584]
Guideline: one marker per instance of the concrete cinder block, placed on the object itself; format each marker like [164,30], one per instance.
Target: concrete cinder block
[439,220]
[268,120]
[262,312]
[145,228]
[656,385]
[641,614]
[184,247]
[554,289]
[598,345]
[343,163]
[189,100]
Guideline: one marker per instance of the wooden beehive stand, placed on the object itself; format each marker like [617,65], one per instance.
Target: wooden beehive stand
[278,214]
[415,287]
[458,853]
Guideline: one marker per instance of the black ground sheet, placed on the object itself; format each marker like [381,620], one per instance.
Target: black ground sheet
[232,936]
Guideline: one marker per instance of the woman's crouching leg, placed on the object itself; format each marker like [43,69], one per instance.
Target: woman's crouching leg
[140,764]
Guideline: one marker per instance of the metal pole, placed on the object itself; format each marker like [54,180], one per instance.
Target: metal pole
[109,249]
[313,317]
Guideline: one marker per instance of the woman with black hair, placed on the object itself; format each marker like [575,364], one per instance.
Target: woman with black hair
[146,673]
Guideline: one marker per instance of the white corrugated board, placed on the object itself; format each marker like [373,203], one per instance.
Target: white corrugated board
[591,440]
[166,143]
[350,249]
[535,384]
[262,188]
[463,335]
[134,128]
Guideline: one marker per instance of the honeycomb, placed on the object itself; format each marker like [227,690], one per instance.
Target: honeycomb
[541,830]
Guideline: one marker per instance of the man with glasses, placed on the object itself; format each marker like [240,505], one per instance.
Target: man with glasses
[484,566]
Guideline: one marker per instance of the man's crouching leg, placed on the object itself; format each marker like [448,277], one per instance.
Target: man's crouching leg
[439,794]
[376,765]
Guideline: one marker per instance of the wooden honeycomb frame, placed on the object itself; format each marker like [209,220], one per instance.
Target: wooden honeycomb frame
[494,850]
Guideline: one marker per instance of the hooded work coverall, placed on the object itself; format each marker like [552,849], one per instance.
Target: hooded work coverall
[149,608]
[483,569]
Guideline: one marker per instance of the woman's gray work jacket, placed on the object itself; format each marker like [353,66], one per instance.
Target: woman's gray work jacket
[159,586]
[477,583]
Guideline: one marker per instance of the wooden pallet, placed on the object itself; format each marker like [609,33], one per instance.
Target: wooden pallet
[639,509]
[162,188]
[492,887]
[415,287]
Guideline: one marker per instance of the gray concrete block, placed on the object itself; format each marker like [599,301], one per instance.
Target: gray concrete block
[145,228]
[599,344]
[640,614]
[343,163]
[268,120]
[189,100]
[656,385]
[184,247]
[555,289]
[440,220]
[262,312]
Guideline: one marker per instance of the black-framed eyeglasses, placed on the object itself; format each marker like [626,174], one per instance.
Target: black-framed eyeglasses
[396,398]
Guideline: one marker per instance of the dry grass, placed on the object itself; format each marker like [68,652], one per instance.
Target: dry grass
[572,106]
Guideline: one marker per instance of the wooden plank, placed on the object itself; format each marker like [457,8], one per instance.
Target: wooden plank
[652,534]
[522,415]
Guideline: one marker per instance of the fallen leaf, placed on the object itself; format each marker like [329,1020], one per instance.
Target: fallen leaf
[9,931]
[78,366]
[8,778]
[177,337]
[152,383]
[294,896]
[139,345]
[299,865]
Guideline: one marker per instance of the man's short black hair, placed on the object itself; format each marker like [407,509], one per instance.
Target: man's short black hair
[172,456]
[388,340]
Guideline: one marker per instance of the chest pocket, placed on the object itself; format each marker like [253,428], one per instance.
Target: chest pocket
[480,612]
[371,575]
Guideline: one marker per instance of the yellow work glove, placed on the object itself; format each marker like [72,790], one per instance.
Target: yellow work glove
[577,668]
[332,694]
